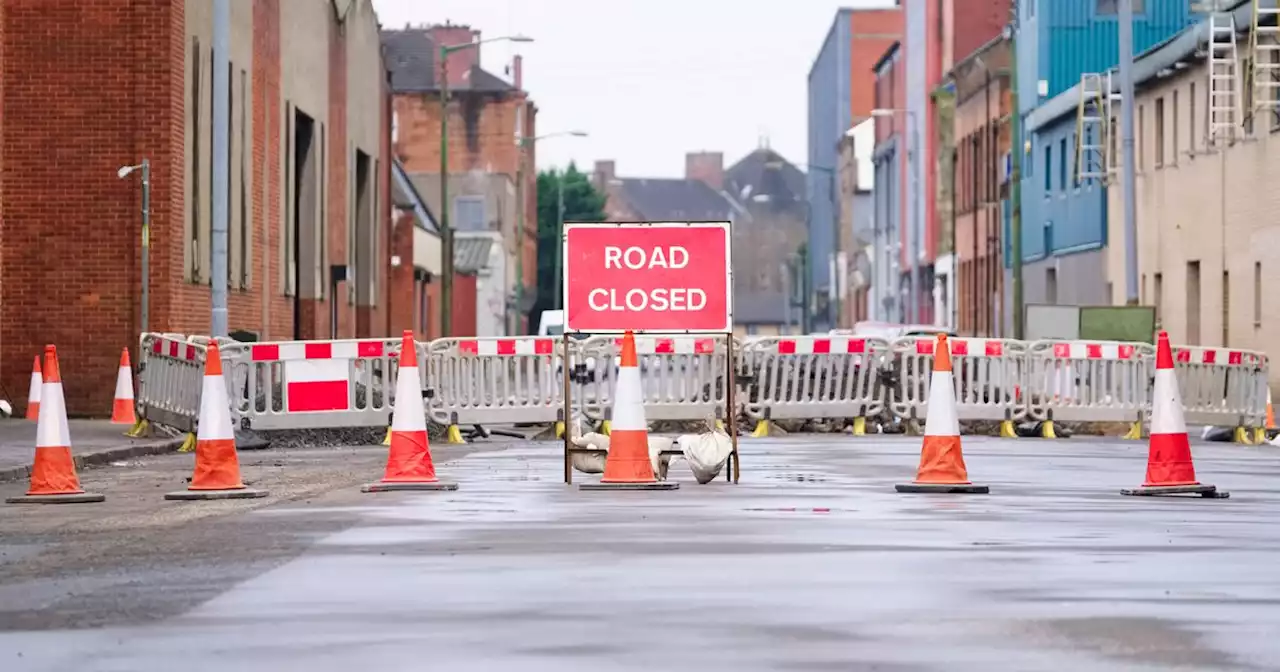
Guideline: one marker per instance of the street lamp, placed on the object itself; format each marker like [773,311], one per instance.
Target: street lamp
[520,208]
[913,235]
[446,231]
[124,172]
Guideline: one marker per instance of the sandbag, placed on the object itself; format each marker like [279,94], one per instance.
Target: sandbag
[707,453]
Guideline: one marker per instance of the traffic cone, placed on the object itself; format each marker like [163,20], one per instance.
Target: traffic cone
[217,470]
[409,465]
[33,396]
[941,461]
[628,466]
[122,410]
[1261,434]
[1169,467]
[53,475]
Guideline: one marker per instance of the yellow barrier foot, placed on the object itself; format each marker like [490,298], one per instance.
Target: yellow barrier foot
[386,441]
[762,429]
[139,429]
[1134,433]
[859,426]
[1006,430]
[1259,436]
[188,444]
[559,429]
[605,427]
[454,435]
[1046,430]
[1241,436]
[719,425]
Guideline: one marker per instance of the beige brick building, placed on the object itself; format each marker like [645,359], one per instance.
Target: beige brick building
[1208,217]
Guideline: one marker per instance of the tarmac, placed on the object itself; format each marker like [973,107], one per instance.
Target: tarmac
[813,562]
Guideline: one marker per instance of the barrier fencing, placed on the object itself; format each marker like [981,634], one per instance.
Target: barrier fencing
[486,381]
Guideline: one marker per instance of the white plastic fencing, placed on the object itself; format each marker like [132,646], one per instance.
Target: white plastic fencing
[493,381]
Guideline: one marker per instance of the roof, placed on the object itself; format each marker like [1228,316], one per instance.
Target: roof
[674,199]
[760,307]
[471,254]
[766,172]
[405,195]
[1148,65]
[411,59]
[886,56]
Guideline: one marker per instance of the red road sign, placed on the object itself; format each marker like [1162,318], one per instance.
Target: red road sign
[653,277]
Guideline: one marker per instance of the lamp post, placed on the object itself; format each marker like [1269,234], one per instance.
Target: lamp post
[446,231]
[913,234]
[525,143]
[124,172]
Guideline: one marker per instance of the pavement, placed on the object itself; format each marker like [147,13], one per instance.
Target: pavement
[93,442]
[812,563]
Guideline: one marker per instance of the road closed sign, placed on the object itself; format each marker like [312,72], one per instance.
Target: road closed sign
[654,277]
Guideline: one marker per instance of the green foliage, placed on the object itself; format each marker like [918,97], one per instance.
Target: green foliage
[582,203]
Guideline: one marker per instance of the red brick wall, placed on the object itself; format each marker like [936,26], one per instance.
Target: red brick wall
[872,33]
[268,133]
[401,289]
[975,24]
[88,88]
[339,156]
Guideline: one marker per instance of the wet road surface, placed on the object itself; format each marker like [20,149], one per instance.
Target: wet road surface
[812,563]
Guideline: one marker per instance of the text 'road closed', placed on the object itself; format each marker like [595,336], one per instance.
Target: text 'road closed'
[645,278]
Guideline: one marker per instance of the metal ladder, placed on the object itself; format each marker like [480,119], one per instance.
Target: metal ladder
[1093,124]
[1224,72]
[1264,59]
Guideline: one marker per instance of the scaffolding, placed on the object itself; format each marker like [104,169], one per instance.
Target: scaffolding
[1095,159]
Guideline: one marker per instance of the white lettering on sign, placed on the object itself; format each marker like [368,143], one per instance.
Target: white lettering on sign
[637,300]
[636,258]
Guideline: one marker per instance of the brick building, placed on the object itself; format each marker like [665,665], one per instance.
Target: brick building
[489,178]
[92,86]
[981,137]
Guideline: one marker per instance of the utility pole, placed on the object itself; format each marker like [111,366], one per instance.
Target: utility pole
[1126,147]
[221,162]
[446,231]
[1015,175]
[558,243]
[520,233]
[146,245]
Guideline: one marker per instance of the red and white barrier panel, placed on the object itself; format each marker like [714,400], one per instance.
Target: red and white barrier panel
[971,347]
[175,349]
[1213,356]
[1084,350]
[822,346]
[317,375]
[508,347]
[679,345]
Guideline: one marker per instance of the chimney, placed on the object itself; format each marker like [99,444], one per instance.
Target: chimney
[706,167]
[517,72]
[461,61]
[603,174]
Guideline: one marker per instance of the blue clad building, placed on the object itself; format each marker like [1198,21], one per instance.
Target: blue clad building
[1064,222]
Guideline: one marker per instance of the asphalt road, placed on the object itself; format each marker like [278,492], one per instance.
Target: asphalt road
[812,563]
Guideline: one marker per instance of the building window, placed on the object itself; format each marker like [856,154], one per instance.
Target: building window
[1173,129]
[468,213]
[1112,7]
[1246,66]
[1159,297]
[1062,165]
[1193,303]
[194,248]
[1159,132]
[1051,286]
[1257,294]
[1191,120]
[1048,169]
[1142,135]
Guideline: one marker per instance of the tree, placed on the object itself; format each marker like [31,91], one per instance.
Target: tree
[582,203]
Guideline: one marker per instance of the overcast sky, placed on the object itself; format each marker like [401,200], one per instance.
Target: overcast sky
[735,72]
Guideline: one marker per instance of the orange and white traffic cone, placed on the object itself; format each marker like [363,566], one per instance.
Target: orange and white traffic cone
[33,396]
[53,475]
[628,465]
[122,410]
[1169,467]
[409,465]
[942,466]
[217,470]
[1261,434]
